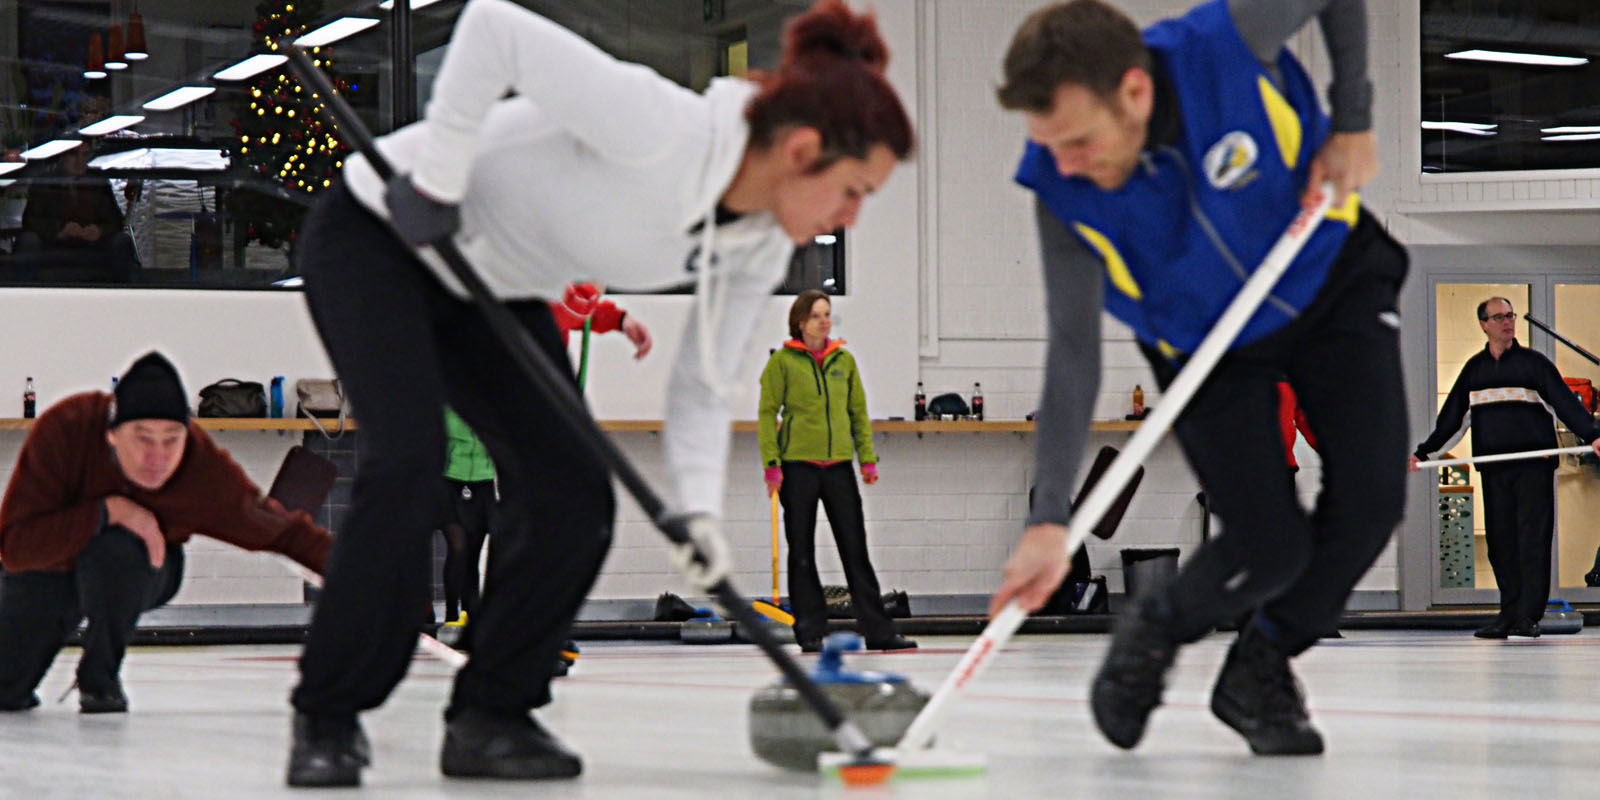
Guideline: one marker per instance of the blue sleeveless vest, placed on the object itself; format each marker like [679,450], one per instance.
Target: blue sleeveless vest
[1179,239]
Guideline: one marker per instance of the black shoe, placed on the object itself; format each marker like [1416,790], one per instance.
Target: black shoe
[810,645]
[478,744]
[1497,629]
[31,701]
[569,652]
[561,668]
[1525,628]
[1257,695]
[327,750]
[109,701]
[1129,684]
[894,642]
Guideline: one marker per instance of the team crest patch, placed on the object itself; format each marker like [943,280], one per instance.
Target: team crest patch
[1229,162]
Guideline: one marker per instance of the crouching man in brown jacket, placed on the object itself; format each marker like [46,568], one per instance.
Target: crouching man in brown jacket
[105,492]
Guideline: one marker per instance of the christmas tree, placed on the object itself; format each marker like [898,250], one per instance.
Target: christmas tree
[282,131]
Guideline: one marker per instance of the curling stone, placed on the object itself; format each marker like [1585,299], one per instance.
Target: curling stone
[706,628]
[783,633]
[786,733]
[1561,617]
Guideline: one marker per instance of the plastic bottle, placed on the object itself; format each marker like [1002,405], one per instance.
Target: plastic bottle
[920,404]
[275,410]
[28,399]
[1138,401]
[977,401]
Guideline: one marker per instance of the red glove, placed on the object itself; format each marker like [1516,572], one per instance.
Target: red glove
[869,473]
[774,478]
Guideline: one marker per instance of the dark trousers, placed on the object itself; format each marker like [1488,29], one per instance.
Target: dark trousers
[1519,507]
[404,348]
[114,257]
[803,485]
[1342,357]
[471,505]
[111,585]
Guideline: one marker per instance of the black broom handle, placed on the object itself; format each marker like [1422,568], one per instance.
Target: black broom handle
[1562,339]
[557,389]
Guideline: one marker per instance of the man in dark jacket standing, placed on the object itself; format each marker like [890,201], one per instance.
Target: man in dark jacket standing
[1506,394]
[105,492]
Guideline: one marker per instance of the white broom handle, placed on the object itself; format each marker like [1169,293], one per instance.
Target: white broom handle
[1556,451]
[452,657]
[1143,441]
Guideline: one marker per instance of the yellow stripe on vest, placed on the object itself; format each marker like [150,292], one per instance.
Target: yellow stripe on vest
[1285,122]
[1504,394]
[1116,268]
[1348,212]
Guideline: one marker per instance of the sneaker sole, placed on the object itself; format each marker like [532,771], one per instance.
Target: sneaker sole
[324,777]
[465,765]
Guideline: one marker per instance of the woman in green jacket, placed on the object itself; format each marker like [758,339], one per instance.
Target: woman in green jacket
[469,483]
[813,420]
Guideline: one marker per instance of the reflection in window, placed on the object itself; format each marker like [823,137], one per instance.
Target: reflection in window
[1510,85]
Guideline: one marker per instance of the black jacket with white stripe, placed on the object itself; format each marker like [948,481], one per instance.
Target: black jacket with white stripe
[1507,401]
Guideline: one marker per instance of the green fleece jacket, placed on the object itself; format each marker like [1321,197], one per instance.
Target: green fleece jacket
[823,408]
[466,459]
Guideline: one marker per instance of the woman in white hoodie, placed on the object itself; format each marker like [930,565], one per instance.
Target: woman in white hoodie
[593,170]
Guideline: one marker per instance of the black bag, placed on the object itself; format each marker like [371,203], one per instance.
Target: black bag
[949,405]
[233,398]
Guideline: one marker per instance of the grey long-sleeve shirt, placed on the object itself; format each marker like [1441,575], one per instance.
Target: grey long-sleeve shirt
[1073,282]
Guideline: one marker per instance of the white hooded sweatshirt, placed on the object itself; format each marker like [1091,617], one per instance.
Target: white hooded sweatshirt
[596,170]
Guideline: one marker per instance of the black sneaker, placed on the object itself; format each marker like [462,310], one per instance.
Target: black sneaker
[1499,628]
[1130,681]
[479,744]
[1525,628]
[31,701]
[327,750]
[894,642]
[108,701]
[1258,696]
[569,652]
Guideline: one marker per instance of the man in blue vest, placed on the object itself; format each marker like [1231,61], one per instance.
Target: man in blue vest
[1164,166]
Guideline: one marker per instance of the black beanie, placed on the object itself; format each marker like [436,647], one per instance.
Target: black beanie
[150,389]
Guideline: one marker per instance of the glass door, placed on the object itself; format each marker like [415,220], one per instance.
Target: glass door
[1575,303]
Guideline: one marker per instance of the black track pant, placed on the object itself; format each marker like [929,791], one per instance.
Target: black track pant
[1519,507]
[1342,356]
[404,347]
[111,585]
[471,505]
[803,485]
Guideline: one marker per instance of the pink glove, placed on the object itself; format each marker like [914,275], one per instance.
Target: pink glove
[774,478]
[869,473]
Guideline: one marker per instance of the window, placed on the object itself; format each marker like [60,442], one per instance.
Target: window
[1510,85]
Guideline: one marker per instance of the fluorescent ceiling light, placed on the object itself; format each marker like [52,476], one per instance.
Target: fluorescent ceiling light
[335,30]
[1572,129]
[111,125]
[1533,59]
[115,65]
[179,97]
[250,67]
[1474,128]
[163,158]
[1571,137]
[293,282]
[415,4]
[51,148]
[136,56]
[10,166]
[826,238]
[94,74]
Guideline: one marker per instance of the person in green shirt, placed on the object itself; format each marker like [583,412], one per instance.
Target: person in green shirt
[813,420]
[469,487]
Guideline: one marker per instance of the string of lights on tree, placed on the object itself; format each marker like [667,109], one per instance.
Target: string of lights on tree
[282,132]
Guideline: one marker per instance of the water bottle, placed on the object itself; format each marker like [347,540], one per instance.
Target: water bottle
[977,401]
[28,399]
[920,404]
[276,410]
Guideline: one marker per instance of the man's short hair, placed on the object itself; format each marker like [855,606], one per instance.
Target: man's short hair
[1483,307]
[1082,42]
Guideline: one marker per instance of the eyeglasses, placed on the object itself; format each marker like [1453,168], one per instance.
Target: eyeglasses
[1497,318]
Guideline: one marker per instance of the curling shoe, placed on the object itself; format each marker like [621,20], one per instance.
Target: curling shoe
[1258,696]
[327,750]
[107,701]
[482,744]
[1130,681]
